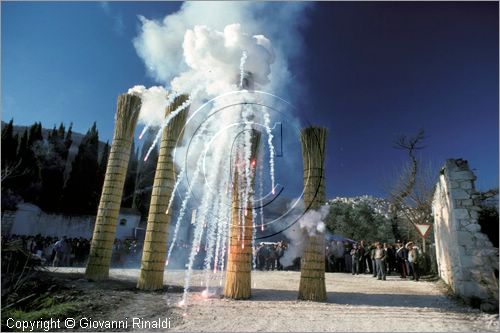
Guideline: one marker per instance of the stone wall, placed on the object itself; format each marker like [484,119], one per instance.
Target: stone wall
[466,258]
[29,219]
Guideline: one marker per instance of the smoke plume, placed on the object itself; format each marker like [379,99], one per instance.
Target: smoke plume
[202,50]
[310,224]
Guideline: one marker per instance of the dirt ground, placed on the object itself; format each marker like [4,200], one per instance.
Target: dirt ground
[355,303]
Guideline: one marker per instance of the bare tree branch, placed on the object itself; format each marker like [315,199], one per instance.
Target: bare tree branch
[12,170]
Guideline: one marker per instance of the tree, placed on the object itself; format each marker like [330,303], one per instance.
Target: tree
[9,144]
[12,167]
[488,215]
[52,155]
[29,184]
[103,163]
[358,222]
[68,141]
[81,190]
[411,195]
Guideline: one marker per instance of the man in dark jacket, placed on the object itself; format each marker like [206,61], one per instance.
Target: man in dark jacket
[402,258]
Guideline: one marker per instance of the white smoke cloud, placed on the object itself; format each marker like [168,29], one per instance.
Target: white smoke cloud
[214,59]
[310,224]
[154,101]
[209,37]
[198,50]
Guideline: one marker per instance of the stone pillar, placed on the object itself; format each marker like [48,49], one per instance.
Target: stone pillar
[465,256]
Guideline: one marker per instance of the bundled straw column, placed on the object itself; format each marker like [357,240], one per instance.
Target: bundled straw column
[155,244]
[239,260]
[128,107]
[312,273]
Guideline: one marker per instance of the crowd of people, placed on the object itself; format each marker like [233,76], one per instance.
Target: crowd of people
[67,251]
[376,258]
[54,251]
[267,255]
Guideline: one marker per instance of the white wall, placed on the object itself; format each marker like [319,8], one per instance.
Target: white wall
[466,258]
[31,220]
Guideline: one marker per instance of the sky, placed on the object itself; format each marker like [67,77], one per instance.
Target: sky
[368,71]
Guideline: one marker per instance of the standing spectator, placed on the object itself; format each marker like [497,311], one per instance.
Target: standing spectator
[373,261]
[380,257]
[262,253]
[413,256]
[347,257]
[280,251]
[391,258]
[355,258]
[402,258]
[59,248]
[271,259]
[362,268]
[67,252]
[339,257]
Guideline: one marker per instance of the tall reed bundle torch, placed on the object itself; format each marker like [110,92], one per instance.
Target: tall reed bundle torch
[312,273]
[128,107]
[239,261]
[155,243]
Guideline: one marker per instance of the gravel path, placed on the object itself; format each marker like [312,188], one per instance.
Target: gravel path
[355,303]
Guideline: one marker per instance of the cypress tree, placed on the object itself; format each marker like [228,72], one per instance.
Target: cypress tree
[52,170]
[9,145]
[81,191]
[103,163]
